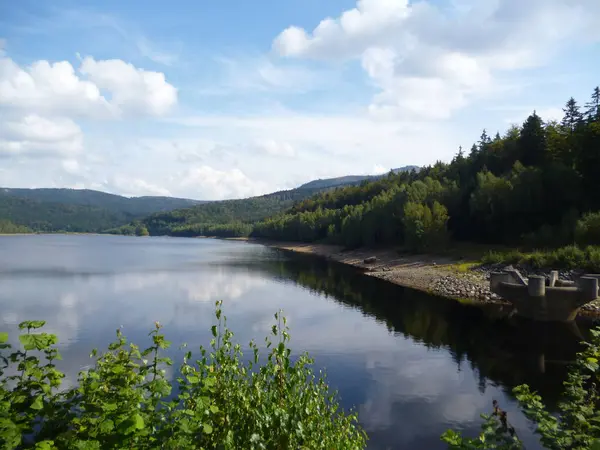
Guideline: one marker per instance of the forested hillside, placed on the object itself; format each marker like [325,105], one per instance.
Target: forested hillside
[136,206]
[51,210]
[51,217]
[529,186]
[350,180]
[226,218]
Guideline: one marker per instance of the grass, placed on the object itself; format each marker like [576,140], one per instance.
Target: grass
[464,267]
[569,257]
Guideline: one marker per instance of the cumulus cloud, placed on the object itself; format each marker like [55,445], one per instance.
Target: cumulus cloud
[211,183]
[132,90]
[34,135]
[49,87]
[428,61]
[133,187]
[57,88]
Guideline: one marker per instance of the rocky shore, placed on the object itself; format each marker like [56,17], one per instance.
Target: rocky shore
[439,275]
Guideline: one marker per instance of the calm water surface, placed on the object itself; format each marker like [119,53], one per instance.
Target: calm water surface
[412,365]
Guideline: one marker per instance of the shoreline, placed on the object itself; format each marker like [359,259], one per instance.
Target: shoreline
[415,271]
[444,276]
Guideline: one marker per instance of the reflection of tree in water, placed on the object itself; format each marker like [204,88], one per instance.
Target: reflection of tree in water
[504,351]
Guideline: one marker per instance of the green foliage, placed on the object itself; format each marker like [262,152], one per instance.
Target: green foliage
[525,187]
[587,231]
[568,257]
[141,230]
[52,210]
[576,427]
[424,227]
[125,400]
[7,227]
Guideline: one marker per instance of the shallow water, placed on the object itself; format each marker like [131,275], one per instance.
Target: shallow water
[413,365]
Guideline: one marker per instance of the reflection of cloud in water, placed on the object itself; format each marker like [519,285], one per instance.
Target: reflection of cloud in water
[406,394]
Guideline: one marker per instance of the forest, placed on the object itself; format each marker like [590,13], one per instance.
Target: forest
[227,218]
[77,210]
[537,185]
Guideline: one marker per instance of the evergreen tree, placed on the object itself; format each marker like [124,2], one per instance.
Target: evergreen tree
[532,147]
[573,117]
[592,111]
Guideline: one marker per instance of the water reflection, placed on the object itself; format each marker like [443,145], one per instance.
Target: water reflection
[412,364]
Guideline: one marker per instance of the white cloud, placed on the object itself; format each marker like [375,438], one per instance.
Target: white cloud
[132,90]
[210,183]
[133,187]
[34,135]
[428,61]
[49,87]
[56,88]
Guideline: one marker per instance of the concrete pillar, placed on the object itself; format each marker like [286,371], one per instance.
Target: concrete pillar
[516,277]
[498,277]
[553,278]
[589,288]
[536,286]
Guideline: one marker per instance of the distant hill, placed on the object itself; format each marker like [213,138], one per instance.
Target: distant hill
[79,210]
[85,210]
[227,211]
[350,179]
[137,206]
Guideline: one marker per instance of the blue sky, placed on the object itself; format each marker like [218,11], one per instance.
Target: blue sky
[230,99]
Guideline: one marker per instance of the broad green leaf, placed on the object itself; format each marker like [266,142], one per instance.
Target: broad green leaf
[37,341]
[207,429]
[45,445]
[32,324]
[129,426]
[38,403]
[3,337]
[107,426]
[193,379]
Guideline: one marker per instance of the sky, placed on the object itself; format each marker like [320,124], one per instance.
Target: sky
[229,99]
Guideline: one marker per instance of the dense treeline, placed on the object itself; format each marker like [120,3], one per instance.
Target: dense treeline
[529,186]
[55,217]
[7,227]
[78,210]
[225,218]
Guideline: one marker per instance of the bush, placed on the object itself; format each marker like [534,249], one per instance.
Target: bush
[125,400]
[569,257]
[587,230]
[576,427]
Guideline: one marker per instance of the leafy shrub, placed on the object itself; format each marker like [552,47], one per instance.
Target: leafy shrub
[538,260]
[492,257]
[576,427]
[569,257]
[125,400]
[587,230]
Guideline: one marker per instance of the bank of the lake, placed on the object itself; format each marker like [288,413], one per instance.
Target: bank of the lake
[443,275]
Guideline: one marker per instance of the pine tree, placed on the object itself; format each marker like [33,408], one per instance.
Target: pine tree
[592,111]
[532,147]
[484,140]
[573,117]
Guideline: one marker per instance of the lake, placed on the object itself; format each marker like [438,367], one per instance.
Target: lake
[411,364]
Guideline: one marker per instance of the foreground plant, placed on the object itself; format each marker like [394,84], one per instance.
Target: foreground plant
[125,400]
[576,427]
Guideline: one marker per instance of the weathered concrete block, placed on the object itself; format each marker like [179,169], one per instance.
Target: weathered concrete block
[536,287]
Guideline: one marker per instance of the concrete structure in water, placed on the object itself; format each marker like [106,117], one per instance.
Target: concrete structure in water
[545,299]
